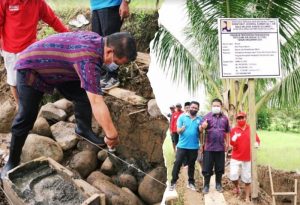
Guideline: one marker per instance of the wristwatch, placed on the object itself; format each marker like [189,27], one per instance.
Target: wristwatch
[127,1]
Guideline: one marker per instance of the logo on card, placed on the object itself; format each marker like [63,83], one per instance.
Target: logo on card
[13,8]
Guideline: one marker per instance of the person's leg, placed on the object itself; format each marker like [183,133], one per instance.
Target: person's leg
[246,178]
[174,137]
[96,25]
[219,169]
[23,122]
[191,160]
[234,174]
[10,60]
[82,110]
[180,154]
[111,22]
[207,170]
[247,191]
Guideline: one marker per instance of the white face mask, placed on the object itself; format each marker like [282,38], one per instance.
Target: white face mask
[216,110]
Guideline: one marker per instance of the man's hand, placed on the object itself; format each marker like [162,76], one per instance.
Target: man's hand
[235,136]
[204,124]
[124,10]
[181,130]
[111,143]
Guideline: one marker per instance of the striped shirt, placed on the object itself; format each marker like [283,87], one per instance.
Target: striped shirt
[64,57]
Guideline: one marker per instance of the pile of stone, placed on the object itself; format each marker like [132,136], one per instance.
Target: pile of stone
[53,136]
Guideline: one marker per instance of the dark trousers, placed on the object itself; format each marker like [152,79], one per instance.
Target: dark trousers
[29,106]
[107,21]
[213,160]
[181,154]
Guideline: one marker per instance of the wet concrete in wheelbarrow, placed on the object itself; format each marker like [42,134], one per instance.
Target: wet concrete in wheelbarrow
[41,184]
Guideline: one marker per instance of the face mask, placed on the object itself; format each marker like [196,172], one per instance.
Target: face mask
[112,67]
[193,112]
[241,123]
[215,110]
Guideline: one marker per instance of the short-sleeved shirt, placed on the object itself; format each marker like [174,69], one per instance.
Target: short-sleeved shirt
[218,127]
[72,56]
[173,121]
[100,4]
[189,138]
[241,147]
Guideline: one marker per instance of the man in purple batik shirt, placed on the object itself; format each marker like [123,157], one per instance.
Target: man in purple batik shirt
[216,142]
[69,62]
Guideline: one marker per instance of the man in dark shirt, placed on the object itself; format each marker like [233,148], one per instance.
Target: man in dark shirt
[216,142]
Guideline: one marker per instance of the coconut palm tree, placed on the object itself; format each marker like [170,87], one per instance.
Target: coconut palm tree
[201,67]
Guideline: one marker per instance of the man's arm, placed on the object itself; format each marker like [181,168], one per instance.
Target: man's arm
[49,17]
[124,10]
[102,115]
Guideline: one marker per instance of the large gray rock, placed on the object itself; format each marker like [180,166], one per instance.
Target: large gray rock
[146,189]
[107,167]
[129,181]
[114,195]
[84,162]
[52,113]
[65,105]
[97,175]
[42,127]
[102,155]
[37,146]
[153,108]
[85,145]
[7,113]
[134,198]
[63,133]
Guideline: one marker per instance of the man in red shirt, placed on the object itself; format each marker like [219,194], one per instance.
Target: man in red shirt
[173,125]
[241,155]
[18,30]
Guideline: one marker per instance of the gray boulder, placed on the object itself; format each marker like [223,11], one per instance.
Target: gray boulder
[7,113]
[129,181]
[52,113]
[84,162]
[65,105]
[63,133]
[37,146]
[146,189]
[97,175]
[42,127]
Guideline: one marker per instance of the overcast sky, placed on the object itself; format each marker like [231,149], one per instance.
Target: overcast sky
[172,16]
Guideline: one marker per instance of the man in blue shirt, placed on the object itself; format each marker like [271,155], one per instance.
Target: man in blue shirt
[188,128]
[107,18]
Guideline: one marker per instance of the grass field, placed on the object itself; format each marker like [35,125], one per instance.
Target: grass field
[135,4]
[280,150]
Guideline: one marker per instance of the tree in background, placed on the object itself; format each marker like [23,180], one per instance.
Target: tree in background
[202,66]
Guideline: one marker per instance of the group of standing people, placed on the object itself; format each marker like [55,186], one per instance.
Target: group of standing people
[211,136]
[71,62]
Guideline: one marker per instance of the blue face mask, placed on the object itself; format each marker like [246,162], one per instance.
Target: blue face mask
[112,67]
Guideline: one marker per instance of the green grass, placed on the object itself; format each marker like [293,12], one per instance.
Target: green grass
[135,4]
[280,150]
